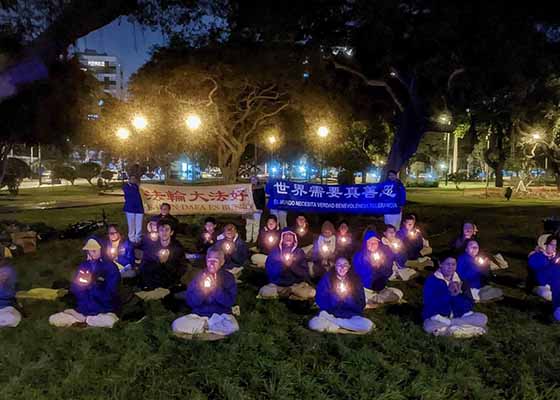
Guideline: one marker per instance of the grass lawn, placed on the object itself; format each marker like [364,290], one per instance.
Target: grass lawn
[274,356]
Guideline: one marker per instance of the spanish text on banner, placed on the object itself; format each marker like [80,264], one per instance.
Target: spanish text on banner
[222,199]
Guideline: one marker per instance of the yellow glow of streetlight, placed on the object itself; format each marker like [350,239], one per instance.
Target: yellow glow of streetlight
[445,119]
[323,131]
[123,133]
[536,136]
[139,122]
[193,122]
[272,140]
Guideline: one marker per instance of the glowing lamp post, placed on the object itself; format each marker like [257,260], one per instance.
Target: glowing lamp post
[272,142]
[193,122]
[322,132]
[139,122]
[123,133]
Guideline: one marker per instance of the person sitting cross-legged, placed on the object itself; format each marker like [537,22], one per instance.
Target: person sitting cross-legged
[120,251]
[447,310]
[416,247]
[95,287]
[541,262]
[469,231]
[235,250]
[287,271]
[341,299]
[151,239]
[473,270]
[9,315]
[374,264]
[390,239]
[324,251]
[211,296]
[163,267]
[268,239]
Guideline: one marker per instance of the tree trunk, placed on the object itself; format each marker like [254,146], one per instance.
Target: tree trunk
[364,176]
[4,153]
[410,129]
[557,180]
[499,172]
[229,164]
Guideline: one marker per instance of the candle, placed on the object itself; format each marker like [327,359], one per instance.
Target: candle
[376,256]
[412,233]
[395,245]
[287,257]
[154,236]
[270,239]
[480,260]
[207,283]
[227,247]
[301,230]
[163,252]
[343,239]
[324,248]
[342,288]
[113,251]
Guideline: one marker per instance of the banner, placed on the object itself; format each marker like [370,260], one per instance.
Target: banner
[184,200]
[380,198]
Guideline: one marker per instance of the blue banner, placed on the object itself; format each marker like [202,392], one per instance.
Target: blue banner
[380,198]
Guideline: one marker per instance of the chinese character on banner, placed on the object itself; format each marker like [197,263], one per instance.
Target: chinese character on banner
[334,192]
[147,194]
[197,195]
[388,191]
[370,192]
[177,196]
[316,191]
[352,192]
[299,190]
[281,188]
[219,196]
[157,195]
[239,195]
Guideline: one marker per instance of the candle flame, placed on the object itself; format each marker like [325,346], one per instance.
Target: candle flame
[395,245]
[376,256]
[164,252]
[342,287]
[325,248]
[480,260]
[207,283]
[301,230]
[271,239]
[287,257]
[343,239]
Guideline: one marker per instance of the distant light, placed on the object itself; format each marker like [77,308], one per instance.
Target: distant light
[123,133]
[536,136]
[139,122]
[393,74]
[301,168]
[274,169]
[445,119]
[323,131]
[100,103]
[306,75]
[193,122]
[272,139]
[184,167]
[442,165]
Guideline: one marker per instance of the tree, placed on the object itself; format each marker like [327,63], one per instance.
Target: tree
[66,172]
[16,171]
[88,171]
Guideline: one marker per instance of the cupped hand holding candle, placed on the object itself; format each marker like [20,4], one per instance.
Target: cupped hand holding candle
[163,255]
[480,260]
[207,282]
[376,256]
[153,236]
[342,288]
[84,277]
[325,248]
[287,258]
[395,245]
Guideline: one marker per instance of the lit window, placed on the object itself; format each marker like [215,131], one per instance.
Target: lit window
[93,63]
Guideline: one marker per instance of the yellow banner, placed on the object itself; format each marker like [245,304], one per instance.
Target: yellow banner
[184,200]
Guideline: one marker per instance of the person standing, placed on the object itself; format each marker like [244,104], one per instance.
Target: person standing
[133,209]
[253,221]
[400,198]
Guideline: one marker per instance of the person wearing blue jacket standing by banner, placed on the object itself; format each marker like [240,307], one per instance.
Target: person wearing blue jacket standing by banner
[447,310]
[9,315]
[211,296]
[341,299]
[374,264]
[133,209]
[399,192]
[95,287]
[120,251]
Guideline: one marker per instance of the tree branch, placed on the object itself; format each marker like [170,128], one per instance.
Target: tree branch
[371,82]
[453,75]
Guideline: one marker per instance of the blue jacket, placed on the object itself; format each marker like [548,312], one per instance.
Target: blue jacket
[125,252]
[216,300]
[412,245]
[554,279]
[330,300]
[132,199]
[8,289]
[438,300]
[399,190]
[541,266]
[373,277]
[238,256]
[283,274]
[472,274]
[101,295]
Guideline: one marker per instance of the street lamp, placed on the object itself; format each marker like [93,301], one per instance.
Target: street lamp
[193,122]
[272,140]
[445,119]
[536,136]
[139,122]
[323,132]
[123,133]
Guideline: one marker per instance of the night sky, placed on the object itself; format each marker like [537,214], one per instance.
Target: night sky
[120,39]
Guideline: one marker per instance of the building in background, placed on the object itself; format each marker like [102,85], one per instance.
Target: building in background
[106,69]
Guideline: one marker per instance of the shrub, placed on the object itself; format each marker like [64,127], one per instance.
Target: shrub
[66,172]
[16,171]
[88,171]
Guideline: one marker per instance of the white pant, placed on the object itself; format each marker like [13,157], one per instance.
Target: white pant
[486,293]
[252,227]
[259,260]
[282,217]
[470,324]
[544,292]
[219,324]
[70,317]
[135,223]
[302,290]
[9,317]
[393,219]
[326,322]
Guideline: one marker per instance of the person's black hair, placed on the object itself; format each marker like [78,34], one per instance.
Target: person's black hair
[154,218]
[272,216]
[445,255]
[389,226]
[550,239]
[301,214]
[392,171]
[165,204]
[166,221]
[343,221]
[210,219]
[116,226]
[409,217]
